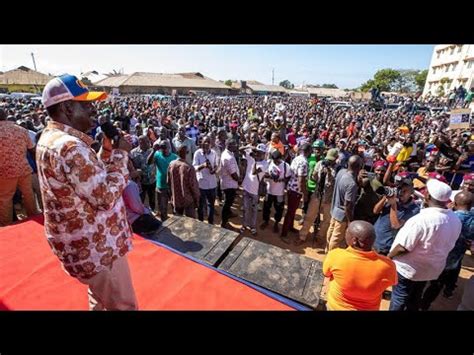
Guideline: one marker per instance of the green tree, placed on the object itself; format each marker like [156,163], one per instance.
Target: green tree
[287,84]
[86,81]
[369,84]
[329,86]
[406,81]
[228,82]
[384,79]
[420,79]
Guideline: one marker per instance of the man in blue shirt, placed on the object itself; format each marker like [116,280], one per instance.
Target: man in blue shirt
[394,212]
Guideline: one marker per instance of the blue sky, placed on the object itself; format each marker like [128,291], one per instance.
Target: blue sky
[345,65]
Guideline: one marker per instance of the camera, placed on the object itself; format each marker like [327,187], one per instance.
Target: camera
[390,191]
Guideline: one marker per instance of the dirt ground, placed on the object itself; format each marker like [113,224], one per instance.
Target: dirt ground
[317,252]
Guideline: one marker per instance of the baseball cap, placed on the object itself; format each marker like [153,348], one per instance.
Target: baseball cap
[439,190]
[318,144]
[380,164]
[332,154]
[437,176]
[468,177]
[262,148]
[68,87]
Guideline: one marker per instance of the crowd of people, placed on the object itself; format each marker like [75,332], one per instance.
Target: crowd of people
[377,187]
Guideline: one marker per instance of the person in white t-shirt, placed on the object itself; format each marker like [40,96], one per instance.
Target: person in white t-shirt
[206,164]
[254,174]
[229,178]
[277,176]
[422,245]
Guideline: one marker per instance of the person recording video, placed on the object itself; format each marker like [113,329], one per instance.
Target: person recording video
[324,174]
[394,209]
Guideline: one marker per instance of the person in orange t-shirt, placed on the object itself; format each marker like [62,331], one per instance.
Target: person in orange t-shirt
[276,144]
[358,276]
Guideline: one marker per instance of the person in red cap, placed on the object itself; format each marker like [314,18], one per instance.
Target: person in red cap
[468,183]
[85,217]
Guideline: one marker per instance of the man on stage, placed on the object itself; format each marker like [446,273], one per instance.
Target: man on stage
[85,217]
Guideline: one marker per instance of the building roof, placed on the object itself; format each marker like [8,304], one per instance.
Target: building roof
[181,80]
[259,87]
[327,92]
[24,76]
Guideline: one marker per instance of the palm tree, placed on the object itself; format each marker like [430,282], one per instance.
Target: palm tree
[114,73]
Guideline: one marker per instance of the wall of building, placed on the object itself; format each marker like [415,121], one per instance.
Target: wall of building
[455,62]
[167,90]
[22,88]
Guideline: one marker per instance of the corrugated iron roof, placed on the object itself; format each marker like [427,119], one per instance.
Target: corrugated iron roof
[266,88]
[24,76]
[181,80]
[327,92]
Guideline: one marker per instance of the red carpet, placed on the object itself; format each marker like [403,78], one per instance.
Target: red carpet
[31,278]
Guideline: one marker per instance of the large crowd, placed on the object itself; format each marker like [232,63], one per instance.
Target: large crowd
[361,176]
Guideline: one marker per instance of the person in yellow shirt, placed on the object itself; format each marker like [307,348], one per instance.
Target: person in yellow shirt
[358,276]
[430,166]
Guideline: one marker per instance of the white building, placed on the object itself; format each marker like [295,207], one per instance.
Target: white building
[452,64]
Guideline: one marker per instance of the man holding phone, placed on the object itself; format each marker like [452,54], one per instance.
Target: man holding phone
[85,218]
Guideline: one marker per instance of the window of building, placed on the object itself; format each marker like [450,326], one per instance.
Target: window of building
[434,70]
[439,53]
[459,49]
[451,51]
[469,64]
[454,66]
[446,68]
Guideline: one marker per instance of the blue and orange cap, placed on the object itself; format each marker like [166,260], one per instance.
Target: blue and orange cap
[68,87]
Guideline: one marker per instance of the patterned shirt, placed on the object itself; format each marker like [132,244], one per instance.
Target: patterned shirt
[85,218]
[14,143]
[183,184]
[139,158]
[298,167]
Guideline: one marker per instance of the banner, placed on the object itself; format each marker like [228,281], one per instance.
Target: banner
[460,119]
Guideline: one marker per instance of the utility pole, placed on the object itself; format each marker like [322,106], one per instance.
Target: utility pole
[34,62]
[273,76]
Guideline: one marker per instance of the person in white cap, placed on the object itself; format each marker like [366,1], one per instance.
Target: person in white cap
[85,216]
[422,245]
[254,174]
